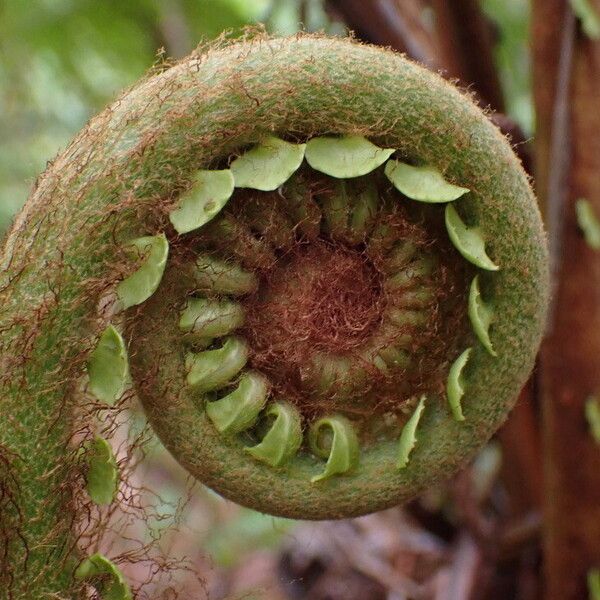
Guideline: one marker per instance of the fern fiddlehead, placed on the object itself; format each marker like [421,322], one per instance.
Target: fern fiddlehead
[321,268]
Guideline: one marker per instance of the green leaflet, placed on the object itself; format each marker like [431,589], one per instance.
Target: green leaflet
[394,356]
[216,275]
[408,437]
[349,211]
[105,576]
[343,452]
[588,223]
[364,211]
[407,317]
[107,367]
[481,316]
[102,473]
[141,284]
[399,256]
[212,369]
[209,193]
[327,370]
[415,298]
[468,241]
[268,165]
[284,437]
[336,210]
[589,17]
[455,387]
[301,208]
[210,318]
[592,414]
[239,410]
[424,183]
[345,156]
[412,274]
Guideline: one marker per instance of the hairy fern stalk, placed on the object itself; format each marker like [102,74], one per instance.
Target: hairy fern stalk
[319,267]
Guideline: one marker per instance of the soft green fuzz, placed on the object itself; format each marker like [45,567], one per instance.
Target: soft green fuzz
[239,410]
[593,583]
[345,156]
[141,284]
[107,367]
[423,183]
[209,193]
[209,318]
[102,472]
[268,165]
[455,386]
[223,277]
[592,414]
[105,576]
[588,223]
[481,316]
[589,17]
[468,240]
[342,451]
[212,369]
[408,437]
[284,437]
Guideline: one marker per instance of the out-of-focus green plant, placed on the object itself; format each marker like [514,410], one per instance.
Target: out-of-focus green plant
[513,58]
[62,60]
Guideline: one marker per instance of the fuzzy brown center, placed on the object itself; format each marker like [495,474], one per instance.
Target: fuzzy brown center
[322,297]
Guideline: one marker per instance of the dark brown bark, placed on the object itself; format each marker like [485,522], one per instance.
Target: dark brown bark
[567,83]
[466,42]
[522,465]
[390,23]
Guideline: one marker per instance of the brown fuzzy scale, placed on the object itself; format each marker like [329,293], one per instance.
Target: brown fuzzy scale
[116,181]
[321,297]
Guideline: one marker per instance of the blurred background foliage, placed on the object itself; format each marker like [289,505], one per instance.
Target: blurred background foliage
[61,61]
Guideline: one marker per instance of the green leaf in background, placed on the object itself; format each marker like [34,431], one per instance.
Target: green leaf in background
[588,15]
[61,61]
[230,542]
[588,222]
[513,57]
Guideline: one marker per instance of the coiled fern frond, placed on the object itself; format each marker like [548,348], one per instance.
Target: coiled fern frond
[319,266]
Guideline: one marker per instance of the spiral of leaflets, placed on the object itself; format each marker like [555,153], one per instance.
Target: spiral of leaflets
[236,397]
[324,313]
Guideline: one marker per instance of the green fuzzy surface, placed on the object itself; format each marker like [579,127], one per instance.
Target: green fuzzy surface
[116,182]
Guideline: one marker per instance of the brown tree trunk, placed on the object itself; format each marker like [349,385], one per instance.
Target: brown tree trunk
[466,41]
[567,84]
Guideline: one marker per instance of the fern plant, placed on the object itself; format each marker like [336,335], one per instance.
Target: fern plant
[319,266]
